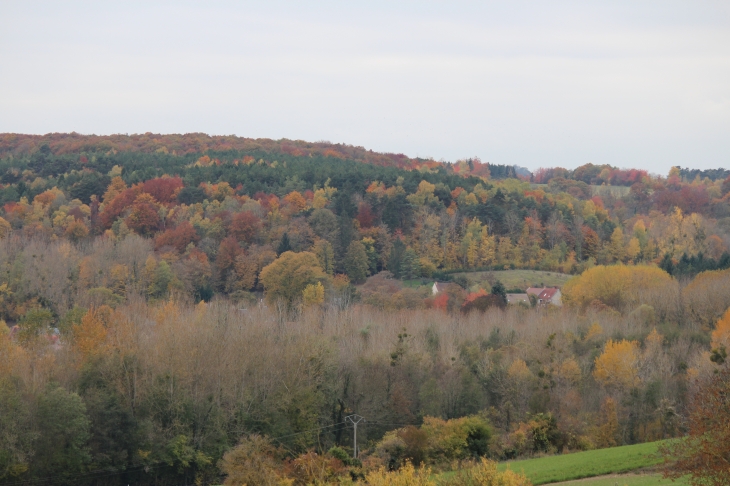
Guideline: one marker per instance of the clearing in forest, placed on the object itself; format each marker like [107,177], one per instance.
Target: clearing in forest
[515,279]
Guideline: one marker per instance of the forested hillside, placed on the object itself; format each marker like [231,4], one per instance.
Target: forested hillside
[168,300]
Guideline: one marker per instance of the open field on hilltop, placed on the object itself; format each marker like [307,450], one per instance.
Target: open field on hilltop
[625,480]
[516,279]
[600,462]
[615,191]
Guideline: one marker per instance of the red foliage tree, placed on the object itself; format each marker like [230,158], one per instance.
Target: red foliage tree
[116,207]
[244,226]
[690,199]
[163,188]
[228,250]
[179,237]
[591,242]
[441,301]
[144,218]
[365,215]
[76,213]
[481,301]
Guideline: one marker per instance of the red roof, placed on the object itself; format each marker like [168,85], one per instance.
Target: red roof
[547,294]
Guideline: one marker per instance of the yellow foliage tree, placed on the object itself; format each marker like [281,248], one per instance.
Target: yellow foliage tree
[326,255]
[721,334]
[313,294]
[618,365]
[4,228]
[595,330]
[607,431]
[77,231]
[519,370]
[616,248]
[633,249]
[90,334]
[423,195]
[505,251]
[569,371]
[287,276]
[117,186]
[11,355]
[618,286]
[119,276]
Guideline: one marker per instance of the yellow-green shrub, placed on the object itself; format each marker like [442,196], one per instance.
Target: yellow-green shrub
[485,473]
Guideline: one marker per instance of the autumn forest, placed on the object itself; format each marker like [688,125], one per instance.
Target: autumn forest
[189,309]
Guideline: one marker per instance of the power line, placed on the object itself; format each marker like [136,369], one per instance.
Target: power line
[278,439]
[391,425]
[308,431]
[355,419]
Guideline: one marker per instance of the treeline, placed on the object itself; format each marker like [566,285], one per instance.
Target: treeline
[712,174]
[61,144]
[592,174]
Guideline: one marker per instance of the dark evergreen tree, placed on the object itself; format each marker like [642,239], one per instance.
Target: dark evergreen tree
[410,266]
[284,245]
[395,259]
[499,290]
[667,264]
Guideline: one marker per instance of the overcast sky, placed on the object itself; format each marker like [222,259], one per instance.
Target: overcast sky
[633,84]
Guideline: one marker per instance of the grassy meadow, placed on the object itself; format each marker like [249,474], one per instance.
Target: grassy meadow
[516,279]
[625,480]
[594,464]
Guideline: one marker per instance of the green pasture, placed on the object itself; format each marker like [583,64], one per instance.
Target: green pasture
[589,464]
[516,279]
[625,480]
[599,462]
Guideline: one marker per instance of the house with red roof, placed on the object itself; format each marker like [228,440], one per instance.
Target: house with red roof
[546,295]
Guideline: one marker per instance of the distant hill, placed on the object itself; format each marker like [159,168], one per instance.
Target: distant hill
[200,143]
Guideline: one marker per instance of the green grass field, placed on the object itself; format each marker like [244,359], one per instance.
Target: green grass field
[517,279]
[564,467]
[589,464]
[625,480]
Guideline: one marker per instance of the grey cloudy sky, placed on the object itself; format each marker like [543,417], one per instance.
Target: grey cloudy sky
[634,84]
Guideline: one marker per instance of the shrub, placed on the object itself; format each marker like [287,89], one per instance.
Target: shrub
[485,473]
[405,476]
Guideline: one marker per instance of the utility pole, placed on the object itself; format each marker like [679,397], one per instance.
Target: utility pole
[354,419]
